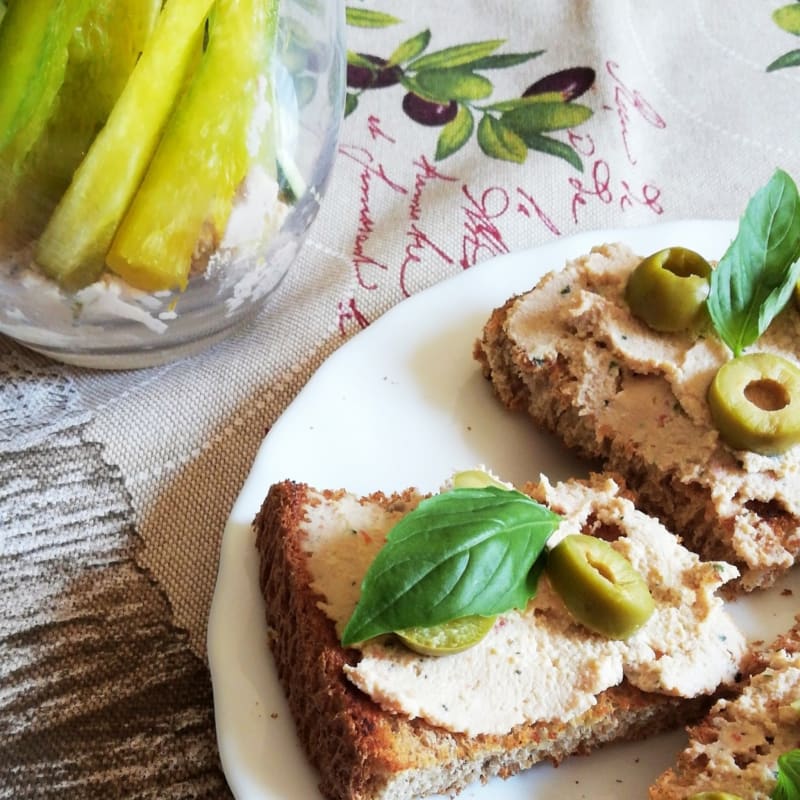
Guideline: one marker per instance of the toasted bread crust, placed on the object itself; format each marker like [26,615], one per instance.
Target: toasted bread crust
[546,389]
[692,769]
[362,752]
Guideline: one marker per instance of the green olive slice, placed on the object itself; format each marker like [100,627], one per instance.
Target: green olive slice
[475,479]
[755,403]
[599,586]
[715,796]
[448,638]
[668,289]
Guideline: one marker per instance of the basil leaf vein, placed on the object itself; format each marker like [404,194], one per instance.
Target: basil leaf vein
[463,552]
[757,274]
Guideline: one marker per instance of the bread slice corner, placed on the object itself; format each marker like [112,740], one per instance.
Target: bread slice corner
[362,752]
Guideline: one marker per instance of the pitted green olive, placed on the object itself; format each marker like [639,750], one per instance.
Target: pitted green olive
[668,289]
[755,403]
[715,796]
[475,479]
[599,586]
[447,638]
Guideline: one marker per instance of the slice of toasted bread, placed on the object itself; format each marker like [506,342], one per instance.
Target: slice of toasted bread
[735,748]
[571,354]
[362,750]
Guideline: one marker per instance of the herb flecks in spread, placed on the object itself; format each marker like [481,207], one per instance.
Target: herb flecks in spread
[537,663]
[750,286]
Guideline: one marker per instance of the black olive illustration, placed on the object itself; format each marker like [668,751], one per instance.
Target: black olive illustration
[571,83]
[427,112]
[359,77]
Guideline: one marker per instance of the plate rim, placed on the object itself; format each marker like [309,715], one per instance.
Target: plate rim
[244,507]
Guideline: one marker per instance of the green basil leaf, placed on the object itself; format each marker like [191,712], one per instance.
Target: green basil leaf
[409,49]
[498,141]
[790,59]
[366,18]
[538,117]
[459,56]
[788,786]
[467,551]
[445,85]
[757,274]
[788,18]
[455,134]
[350,103]
[503,60]
[552,147]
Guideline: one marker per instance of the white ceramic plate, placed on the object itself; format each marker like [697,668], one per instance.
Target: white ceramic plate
[402,404]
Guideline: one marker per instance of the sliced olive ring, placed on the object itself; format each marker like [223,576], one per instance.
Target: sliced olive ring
[668,289]
[599,586]
[755,403]
[476,479]
[447,638]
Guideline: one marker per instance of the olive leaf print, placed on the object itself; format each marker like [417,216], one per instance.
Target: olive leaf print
[366,18]
[447,89]
[788,19]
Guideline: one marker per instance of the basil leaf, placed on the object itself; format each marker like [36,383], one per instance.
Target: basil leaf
[788,786]
[467,551]
[757,274]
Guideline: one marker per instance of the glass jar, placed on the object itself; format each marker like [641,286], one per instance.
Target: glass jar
[159,174]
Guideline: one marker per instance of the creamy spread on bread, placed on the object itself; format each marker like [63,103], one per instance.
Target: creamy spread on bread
[647,391]
[741,740]
[537,664]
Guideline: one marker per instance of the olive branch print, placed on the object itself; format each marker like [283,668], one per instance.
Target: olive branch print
[788,19]
[446,89]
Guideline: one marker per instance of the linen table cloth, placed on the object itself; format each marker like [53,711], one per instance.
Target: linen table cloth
[115,486]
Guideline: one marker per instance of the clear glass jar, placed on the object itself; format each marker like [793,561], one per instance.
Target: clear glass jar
[148,240]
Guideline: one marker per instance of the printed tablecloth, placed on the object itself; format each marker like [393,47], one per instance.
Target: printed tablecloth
[115,487]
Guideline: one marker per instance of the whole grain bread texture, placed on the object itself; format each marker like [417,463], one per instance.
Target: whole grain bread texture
[735,748]
[571,355]
[362,752]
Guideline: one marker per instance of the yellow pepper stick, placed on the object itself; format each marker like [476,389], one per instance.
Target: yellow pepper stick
[183,205]
[33,59]
[103,51]
[74,243]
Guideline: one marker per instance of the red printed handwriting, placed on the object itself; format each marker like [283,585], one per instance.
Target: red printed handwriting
[604,189]
[375,130]
[420,241]
[366,224]
[627,101]
[528,204]
[349,312]
[425,173]
[481,234]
